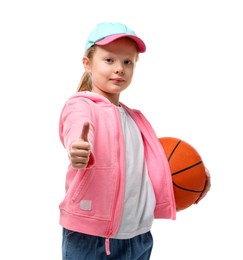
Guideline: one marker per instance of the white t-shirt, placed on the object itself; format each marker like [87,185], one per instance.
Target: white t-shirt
[139,199]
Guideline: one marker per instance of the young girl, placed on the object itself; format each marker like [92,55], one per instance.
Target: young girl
[119,179]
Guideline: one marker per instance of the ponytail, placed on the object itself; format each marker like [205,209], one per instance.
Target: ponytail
[85,83]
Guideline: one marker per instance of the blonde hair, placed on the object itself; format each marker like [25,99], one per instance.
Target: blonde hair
[85,83]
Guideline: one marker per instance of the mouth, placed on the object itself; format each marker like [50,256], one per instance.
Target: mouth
[117,80]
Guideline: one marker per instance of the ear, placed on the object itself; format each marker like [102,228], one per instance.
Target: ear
[86,63]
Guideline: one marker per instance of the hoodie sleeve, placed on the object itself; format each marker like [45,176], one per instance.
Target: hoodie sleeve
[75,113]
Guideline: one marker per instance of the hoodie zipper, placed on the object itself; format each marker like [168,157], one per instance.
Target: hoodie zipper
[107,243]
[110,230]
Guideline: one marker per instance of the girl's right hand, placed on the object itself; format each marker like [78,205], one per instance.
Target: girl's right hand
[80,150]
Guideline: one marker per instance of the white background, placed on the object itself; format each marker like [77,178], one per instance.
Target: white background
[188,84]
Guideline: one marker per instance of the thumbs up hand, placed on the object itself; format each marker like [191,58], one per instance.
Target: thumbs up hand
[80,150]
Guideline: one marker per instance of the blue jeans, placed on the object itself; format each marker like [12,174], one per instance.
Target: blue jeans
[79,246]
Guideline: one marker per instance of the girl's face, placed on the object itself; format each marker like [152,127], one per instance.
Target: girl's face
[111,68]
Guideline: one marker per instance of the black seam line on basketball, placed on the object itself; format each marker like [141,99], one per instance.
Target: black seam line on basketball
[182,188]
[187,168]
[174,150]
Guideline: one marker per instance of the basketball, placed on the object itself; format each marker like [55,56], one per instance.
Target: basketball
[187,169]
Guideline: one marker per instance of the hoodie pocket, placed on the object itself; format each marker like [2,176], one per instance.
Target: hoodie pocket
[95,194]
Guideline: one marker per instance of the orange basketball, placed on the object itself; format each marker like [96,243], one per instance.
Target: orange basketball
[187,169]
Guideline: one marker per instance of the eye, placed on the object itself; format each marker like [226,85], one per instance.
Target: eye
[127,62]
[109,60]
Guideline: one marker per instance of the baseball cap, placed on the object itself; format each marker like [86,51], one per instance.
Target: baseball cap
[105,33]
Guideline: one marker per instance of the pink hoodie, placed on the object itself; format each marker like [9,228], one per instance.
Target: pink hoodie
[94,196]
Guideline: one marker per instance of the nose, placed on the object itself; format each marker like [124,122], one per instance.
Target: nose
[119,69]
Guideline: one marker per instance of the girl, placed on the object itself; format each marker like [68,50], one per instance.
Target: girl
[119,179]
